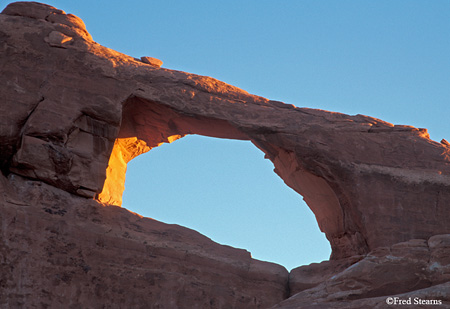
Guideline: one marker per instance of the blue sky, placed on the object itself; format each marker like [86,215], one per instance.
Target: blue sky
[386,59]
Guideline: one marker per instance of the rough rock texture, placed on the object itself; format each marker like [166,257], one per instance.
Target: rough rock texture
[63,251]
[73,113]
[415,265]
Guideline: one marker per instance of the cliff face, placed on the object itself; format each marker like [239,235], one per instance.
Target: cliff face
[74,113]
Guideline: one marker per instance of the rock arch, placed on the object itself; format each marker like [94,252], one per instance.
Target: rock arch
[146,124]
[370,183]
[328,184]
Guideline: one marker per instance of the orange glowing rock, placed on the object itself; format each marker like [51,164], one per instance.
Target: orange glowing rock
[123,151]
[152,61]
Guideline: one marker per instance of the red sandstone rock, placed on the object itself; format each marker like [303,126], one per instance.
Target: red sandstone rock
[308,276]
[152,61]
[73,113]
[432,297]
[63,251]
[386,272]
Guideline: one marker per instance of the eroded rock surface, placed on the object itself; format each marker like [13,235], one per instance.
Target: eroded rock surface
[366,281]
[72,115]
[59,250]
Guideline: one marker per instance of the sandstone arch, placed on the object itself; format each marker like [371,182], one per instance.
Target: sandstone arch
[377,189]
[147,124]
[370,183]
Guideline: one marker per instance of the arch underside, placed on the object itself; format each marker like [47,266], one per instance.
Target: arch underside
[146,125]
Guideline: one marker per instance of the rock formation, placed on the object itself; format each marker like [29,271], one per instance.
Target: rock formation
[74,113]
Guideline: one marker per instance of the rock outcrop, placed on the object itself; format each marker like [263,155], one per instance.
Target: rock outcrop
[416,265]
[58,250]
[74,113]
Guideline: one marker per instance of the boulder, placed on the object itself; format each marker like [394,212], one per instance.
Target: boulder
[152,61]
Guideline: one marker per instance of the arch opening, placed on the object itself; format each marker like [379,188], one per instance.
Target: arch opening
[230,194]
[146,125]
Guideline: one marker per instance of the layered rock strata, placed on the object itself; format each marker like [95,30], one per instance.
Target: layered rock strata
[74,113]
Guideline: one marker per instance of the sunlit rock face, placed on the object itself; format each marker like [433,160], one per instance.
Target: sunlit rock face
[74,113]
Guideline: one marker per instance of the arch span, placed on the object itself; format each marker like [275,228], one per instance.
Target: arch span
[370,183]
[146,124]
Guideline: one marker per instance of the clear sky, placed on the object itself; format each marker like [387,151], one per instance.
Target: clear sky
[386,59]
